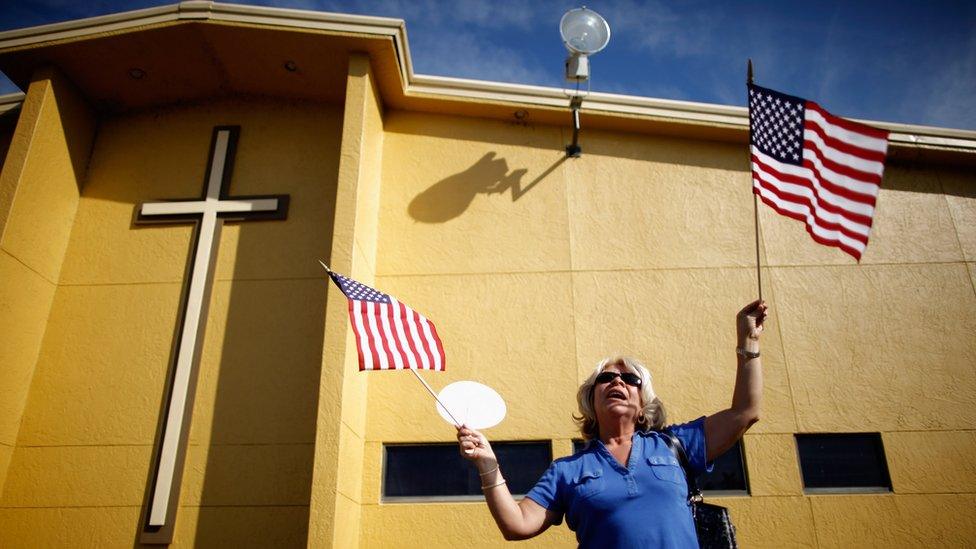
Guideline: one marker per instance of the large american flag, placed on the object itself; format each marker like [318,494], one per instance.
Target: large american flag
[816,167]
[389,335]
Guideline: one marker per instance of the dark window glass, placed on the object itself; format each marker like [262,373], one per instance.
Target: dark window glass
[728,475]
[438,470]
[843,461]
[578,444]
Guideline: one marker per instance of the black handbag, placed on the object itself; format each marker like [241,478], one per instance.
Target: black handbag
[713,525]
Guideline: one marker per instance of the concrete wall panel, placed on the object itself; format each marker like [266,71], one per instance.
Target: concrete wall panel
[642,203]
[512,332]
[471,196]
[681,323]
[895,521]
[880,348]
[923,462]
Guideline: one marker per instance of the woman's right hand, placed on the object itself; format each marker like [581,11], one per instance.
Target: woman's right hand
[749,323]
[475,447]
[516,520]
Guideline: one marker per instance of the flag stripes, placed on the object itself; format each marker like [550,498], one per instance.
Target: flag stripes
[816,167]
[389,334]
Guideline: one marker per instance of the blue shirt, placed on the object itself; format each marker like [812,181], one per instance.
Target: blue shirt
[642,505]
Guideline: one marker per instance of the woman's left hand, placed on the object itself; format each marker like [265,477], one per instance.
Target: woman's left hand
[749,321]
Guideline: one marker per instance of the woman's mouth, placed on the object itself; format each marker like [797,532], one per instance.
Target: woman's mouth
[616,394]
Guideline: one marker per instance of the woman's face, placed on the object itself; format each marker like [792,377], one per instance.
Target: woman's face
[616,398]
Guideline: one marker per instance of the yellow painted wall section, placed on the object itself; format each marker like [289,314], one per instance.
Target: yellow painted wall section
[534,267]
[337,480]
[46,173]
[80,469]
[42,177]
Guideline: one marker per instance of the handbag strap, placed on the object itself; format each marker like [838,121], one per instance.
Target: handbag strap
[674,443]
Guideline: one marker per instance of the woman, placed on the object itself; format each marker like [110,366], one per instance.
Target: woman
[626,488]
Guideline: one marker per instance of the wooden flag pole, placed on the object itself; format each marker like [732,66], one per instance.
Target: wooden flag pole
[433,394]
[755,198]
[420,379]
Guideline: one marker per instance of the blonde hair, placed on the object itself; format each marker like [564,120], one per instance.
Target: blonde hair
[652,415]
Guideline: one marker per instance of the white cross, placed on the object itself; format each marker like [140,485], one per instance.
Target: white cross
[209,214]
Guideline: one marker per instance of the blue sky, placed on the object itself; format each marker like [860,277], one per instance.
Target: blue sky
[899,61]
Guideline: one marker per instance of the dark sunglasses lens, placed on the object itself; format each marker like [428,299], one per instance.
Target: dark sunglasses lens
[633,380]
[606,377]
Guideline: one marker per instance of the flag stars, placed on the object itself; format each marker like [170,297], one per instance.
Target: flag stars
[777,124]
[361,292]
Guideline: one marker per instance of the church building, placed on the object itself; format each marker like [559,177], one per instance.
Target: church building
[176,367]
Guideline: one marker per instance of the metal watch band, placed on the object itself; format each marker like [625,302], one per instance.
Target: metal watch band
[747,354]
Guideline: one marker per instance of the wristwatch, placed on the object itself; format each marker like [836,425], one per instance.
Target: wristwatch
[747,354]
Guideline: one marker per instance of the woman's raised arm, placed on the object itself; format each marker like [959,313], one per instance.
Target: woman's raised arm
[724,428]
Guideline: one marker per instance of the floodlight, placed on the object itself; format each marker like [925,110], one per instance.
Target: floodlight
[584,32]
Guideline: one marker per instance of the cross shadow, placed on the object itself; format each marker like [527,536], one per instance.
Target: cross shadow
[450,197]
[253,466]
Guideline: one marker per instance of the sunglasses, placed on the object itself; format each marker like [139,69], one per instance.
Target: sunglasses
[633,380]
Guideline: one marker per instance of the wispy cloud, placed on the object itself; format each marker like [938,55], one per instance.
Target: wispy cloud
[909,62]
[484,15]
[941,94]
[646,89]
[461,38]
[658,29]
[465,56]
[465,38]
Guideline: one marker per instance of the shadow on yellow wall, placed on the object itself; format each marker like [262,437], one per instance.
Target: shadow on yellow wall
[258,465]
[451,196]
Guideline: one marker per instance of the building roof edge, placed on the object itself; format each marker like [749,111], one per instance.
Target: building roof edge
[727,116]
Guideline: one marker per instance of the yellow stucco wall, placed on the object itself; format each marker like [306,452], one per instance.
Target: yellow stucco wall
[42,176]
[337,482]
[534,268]
[80,466]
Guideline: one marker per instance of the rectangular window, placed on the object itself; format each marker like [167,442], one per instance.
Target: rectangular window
[438,472]
[578,444]
[843,463]
[728,476]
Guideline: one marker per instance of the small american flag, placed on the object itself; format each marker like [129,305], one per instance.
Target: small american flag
[389,335]
[816,167]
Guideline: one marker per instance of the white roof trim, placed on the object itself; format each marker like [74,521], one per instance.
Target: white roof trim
[215,11]
[10,101]
[678,111]
[201,10]
[595,101]
[684,111]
